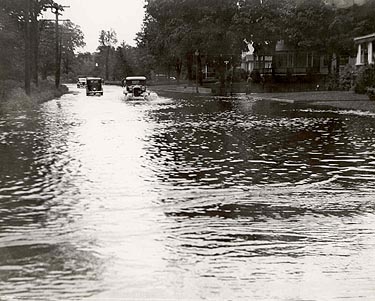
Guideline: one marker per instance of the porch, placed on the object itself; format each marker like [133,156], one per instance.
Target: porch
[365,49]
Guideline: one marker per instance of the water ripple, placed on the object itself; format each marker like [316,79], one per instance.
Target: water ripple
[101,198]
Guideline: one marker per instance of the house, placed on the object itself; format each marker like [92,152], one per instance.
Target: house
[250,61]
[365,49]
[288,61]
[284,61]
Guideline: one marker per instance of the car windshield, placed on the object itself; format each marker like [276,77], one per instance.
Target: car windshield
[131,82]
[94,81]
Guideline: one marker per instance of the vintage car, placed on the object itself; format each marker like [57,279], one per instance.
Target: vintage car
[135,87]
[81,83]
[94,86]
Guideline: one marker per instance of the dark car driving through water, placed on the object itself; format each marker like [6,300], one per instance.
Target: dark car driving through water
[94,86]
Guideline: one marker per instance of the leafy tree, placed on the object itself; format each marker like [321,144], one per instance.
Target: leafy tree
[329,30]
[364,22]
[36,9]
[124,61]
[308,24]
[19,11]
[157,35]
[26,14]
[264,22]
[84,65]
[173,31]
[47,49]
[71,39]
[107,41]
[12,48]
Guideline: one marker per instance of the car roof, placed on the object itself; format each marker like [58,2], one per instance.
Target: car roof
[136,78]
[93,78]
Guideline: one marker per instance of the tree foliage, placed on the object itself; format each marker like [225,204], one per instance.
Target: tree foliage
[264,22]
[11,50]
[107,42]
[71,39]
[28,40]
[175,31]
[179,36]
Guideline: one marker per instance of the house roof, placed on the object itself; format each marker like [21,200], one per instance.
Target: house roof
[136,78]
[366,38]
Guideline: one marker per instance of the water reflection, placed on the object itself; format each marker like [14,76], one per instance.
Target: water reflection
[238,147]
[50,270]
[192,198]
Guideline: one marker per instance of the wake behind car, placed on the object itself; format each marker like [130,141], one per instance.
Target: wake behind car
[94,86]
[135,87]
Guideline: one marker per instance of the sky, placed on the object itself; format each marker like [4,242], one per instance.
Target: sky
[125,17]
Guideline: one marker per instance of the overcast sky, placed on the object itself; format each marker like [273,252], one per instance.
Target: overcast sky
[124,16]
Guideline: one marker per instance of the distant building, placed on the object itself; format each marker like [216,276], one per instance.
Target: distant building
[283,61]
[250,61]
[288,61]
[365,46]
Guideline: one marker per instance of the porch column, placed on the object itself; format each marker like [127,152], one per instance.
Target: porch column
[358,61]
[370,53]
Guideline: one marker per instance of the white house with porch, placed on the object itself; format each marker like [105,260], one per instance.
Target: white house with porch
[365,53]
[250,61]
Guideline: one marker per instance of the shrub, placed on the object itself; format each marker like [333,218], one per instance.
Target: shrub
[255,76]
[347,76]
[13,96]
[332,82]
[365,79]
[6,88]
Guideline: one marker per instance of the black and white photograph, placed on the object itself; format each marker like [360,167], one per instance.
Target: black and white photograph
[184,150]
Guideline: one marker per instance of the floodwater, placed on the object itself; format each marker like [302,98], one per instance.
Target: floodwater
[186,199]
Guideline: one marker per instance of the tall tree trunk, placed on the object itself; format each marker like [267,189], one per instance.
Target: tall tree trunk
[330,63]
[199,66]
[57,50]
[107,63]
[189,65]
[27,49]
[34,36]
[178,67]
[44,72]
[338,58]
[221,70]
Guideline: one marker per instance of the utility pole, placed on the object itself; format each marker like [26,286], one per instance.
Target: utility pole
[27,49]
[56,10]
[225,77]
[196,71]
[34,40]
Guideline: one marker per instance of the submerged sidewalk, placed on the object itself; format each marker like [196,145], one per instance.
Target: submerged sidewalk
[347,100]
[337,99]
[181,89]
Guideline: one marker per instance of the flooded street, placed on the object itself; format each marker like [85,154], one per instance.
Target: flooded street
[178,198]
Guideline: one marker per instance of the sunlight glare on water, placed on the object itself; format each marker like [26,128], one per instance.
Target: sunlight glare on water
[186,198]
